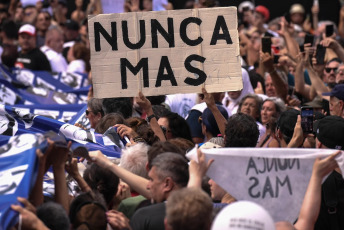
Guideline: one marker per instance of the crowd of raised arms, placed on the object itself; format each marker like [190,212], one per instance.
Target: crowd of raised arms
[292,97]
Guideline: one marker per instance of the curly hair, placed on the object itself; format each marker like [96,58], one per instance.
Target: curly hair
[241,131]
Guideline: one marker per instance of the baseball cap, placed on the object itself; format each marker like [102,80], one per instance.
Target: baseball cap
[337,91]
[287,120]
[72,25]
[209,121]
[27,29]
[297,8]
[264,11]
[243,213]
[330,132]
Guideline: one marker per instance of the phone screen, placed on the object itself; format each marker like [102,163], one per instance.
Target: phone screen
[307,119]
[329,30]
[309,38]
[266,45]
[320,54]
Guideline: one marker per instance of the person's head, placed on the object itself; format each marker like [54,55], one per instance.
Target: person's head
[174,126]
[27,38]
[188,209]
[261,15]
[123,106]
[272,107]
[54,39]
[336,100]
[109,120]
[30,14]
[43,21]
[88,209]
[71,30]
[53,216]
[245,211]
[330,133]
[217,192]
[270,89]
[159,148]
[169,172]
[297,13]
[94,111]
[286,124]
[330,71]
[241,131]
[79,51]
[134,159]
[340,73]
[102,180]
[209,124]
[251,105]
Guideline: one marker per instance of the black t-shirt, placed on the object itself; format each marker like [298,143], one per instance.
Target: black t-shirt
[332,190]
[33,60]
[151,217]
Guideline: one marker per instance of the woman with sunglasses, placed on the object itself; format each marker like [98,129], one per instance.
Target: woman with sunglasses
[94,111]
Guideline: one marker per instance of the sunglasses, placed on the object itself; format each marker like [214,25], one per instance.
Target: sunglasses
[87,112]
[328,70]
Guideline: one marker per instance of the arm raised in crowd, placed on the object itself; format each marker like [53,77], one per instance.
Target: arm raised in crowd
[28,218]
[317,83]
[286,32]
[197,170]
[300,86]
[60,158]
[137,183]
[220,119]
[341,22]
[277,81]
[146,106]
[311,203]
[72,169]
[335,46]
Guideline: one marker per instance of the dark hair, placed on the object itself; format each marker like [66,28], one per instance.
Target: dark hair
[118,105]
[172,165]
[83,199]
[108,121]
[178,126]
[161,147]
[241,131]
[53,216]
[146,132]
[102,180]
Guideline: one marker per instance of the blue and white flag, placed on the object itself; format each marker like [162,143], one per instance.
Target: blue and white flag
[18,172]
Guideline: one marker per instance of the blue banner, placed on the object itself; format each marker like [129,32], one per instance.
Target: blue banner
[18,172]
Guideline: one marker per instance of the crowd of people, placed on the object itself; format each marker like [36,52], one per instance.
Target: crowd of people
[290,64]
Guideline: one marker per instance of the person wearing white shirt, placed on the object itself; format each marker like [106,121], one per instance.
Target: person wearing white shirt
[53,50]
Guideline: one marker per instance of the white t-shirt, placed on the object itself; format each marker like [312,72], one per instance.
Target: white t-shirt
[76,66]
[57,62]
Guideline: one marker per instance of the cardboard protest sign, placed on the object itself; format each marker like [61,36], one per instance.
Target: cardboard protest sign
[165,52]
[277,179]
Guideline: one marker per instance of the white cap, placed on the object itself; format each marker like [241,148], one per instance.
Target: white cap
[245,4]
[243,215]
[27,29]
